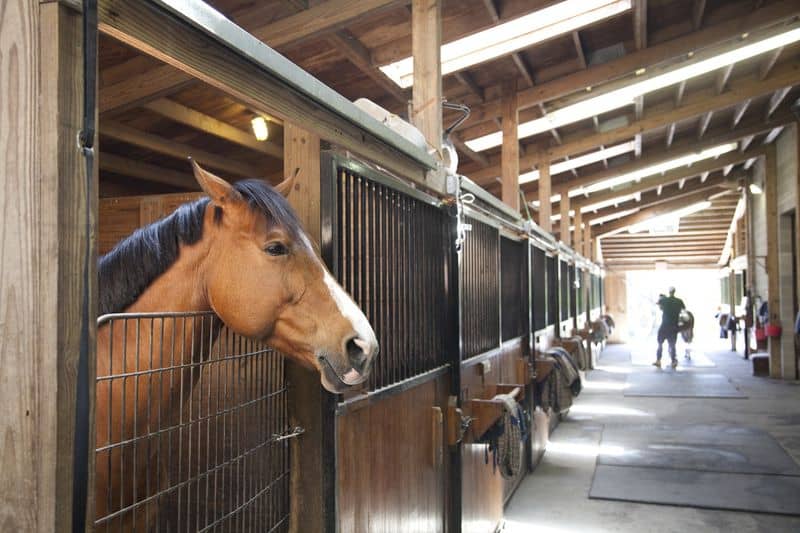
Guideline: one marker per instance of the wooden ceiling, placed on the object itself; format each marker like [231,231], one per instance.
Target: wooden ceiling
[152,115]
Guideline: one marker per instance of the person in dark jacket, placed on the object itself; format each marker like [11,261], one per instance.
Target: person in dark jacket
[671,308]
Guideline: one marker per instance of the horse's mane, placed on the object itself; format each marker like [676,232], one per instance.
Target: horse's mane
[126,271]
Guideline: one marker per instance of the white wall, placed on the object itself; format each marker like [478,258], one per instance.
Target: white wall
[786,146]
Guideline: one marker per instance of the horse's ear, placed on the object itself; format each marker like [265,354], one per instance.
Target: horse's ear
[215,187]
[285,187]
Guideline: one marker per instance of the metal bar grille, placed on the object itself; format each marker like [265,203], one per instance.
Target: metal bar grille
[514,283]
[192,427]
[539,288]
[392,257]
[573,293]
[563,290]
[480,289]
[552,291]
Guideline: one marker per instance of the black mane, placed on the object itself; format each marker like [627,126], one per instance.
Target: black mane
[127,270]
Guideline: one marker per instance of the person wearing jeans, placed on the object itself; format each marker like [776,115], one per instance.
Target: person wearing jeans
[671,308]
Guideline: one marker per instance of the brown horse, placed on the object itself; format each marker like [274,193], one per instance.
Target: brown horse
[241,254]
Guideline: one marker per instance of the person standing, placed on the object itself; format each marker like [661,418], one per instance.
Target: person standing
[671,308]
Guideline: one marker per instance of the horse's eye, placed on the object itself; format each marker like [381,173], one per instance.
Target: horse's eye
[276,248]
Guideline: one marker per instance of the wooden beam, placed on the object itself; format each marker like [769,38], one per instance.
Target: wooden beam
[577,234]
[674,204]
[629,63]
[545,207]
[698,12]
[143,27]
[668,178]
[564,232]
[587,241]
[47,262]
[703,123]
[147,172]
[663,252]
[741,109]
[162,145]
[466,79]
[639,24]
[208,124]
[680,91]
[426,36]
[783,76]
[141,88]
[359,55]
[772,259]
[478,157]
[670,134]
[312,474]
[576,39]
[768,63]
[723,75]
[775,100]
[510,149]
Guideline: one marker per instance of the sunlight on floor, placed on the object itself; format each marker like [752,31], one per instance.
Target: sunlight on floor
[614,369]
[605,409]
[514,526]
[582,450]
[604,385]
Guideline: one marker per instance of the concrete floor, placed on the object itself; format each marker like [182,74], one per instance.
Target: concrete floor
[555,497]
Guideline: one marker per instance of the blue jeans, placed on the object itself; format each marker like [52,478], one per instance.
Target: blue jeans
[670,334]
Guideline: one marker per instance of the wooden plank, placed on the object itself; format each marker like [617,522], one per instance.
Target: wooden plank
[142,88]
[545,207]
[426,37]
[564,223]
[146,172]
[668,178]
[768,62]
[695,105]
[178,150]
[675,203]
[312,471]
[577,234]
[208,124]
[587,240]
[629,63]
[510,149]
[144,27]
[640,24]
[772,259]
[698,12]
[43,262]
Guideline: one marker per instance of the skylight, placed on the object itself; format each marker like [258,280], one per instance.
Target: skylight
[512,36]
[581,161]
[668,220]
[654,169]
[625,96]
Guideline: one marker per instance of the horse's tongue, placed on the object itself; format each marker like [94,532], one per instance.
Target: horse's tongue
[352,377]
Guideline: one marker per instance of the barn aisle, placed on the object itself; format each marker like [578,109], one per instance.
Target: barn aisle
[556,497]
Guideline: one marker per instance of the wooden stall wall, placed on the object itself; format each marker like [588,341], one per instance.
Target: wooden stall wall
[391,462]
[616,304]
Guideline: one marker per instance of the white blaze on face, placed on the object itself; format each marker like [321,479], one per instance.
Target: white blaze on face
[351,312]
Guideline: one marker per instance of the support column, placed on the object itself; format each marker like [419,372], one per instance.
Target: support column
[544,191]
[732,305]
[565,221]
[313,469]
[773,274]
[47,286]
[426,42]
[510,153]
[578,233]
[587,241]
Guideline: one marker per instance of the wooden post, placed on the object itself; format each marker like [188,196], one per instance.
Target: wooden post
[313,502]
[565,221]
[43,248]
[771,192]
[587,241]
[796,127]
[545,207]
[510,151]
[426,42]
[578,233]
[732,304]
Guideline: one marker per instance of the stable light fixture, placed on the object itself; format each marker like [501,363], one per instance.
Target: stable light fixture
[625,96]
[581,161]
[669,218]
[655,169]
[512,36]
[260,129]
[755,189]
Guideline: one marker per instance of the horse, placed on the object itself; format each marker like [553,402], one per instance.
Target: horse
[241,254]
[686,329]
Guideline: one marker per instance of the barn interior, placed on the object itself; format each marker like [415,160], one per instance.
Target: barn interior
[601,150]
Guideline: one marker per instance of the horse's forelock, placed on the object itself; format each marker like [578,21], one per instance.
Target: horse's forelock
[264,199]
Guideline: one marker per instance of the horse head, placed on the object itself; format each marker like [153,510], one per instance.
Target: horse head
[263,278]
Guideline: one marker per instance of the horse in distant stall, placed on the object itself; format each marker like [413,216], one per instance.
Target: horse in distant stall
[242,255]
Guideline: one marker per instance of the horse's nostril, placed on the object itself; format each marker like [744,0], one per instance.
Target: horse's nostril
[357,356]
